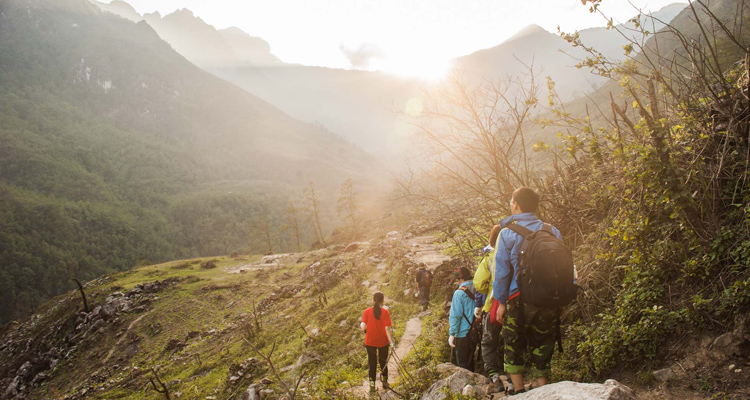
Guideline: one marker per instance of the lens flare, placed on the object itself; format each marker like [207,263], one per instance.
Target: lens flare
[414,107]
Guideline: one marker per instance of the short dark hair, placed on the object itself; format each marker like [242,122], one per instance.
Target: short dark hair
[463,273]
[526,198]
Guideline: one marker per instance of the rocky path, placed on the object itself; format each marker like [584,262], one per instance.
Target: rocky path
[424,250]
[403,347]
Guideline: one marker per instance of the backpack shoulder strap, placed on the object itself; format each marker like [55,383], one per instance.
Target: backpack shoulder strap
[524,232]
[465,290]
[547,227]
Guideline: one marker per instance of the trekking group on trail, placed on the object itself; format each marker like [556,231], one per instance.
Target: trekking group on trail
[510,308]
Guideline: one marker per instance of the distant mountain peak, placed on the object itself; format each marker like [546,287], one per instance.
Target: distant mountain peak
[122,4]
[234,31]
[120,8]
[184,12]
[529,30]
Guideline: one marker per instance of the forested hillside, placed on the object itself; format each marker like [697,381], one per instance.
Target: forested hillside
[115,150]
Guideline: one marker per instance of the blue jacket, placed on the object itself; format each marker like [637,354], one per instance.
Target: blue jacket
[506,259]
[461,305]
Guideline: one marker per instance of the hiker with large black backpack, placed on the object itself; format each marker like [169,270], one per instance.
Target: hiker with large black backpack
[534,282]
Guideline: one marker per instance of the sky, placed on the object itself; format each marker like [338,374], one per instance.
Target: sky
[393,35]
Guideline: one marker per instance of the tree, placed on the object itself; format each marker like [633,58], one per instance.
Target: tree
[292,221]
[476,146]
[313,211]
[348,205]
[262,229]
[72,267]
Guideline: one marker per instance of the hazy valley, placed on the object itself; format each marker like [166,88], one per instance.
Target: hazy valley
[185,215]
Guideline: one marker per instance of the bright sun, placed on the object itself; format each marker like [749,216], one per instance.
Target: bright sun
[423,68]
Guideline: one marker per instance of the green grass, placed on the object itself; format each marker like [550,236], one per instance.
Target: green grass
[213,299]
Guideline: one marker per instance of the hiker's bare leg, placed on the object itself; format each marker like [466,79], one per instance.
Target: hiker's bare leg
[541,381]
[517,380]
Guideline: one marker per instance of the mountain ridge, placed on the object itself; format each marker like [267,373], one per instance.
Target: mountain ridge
[116,149]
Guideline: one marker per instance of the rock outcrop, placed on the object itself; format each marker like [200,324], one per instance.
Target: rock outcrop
[457,382]
[609,390]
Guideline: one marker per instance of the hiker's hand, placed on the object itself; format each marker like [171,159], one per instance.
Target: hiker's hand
[393,345]
[451,341]
[478,312]
[562,312]
[363,326]
[500,314]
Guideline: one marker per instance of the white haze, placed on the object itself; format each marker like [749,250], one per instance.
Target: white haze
[407,33]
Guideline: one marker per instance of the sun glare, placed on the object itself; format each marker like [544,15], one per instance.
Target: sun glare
[422,68]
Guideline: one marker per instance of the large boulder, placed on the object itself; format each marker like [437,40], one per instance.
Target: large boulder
[458,381]
[609,390]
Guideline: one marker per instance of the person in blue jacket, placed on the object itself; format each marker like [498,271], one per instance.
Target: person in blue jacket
[525,327]
[461,317]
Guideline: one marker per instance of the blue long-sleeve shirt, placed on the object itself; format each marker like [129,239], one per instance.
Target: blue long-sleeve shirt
[506,258]
[461,305]
[479,300]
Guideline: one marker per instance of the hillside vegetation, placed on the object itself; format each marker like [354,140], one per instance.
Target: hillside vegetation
[649,186]
[204,326]
[114,150]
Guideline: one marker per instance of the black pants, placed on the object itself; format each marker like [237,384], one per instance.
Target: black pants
[424,296]
[465,353]
[377,355]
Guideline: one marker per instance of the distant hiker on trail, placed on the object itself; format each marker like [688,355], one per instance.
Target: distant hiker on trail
[492,344]
[463,337]
[530,309]
[423,281]
[376,323]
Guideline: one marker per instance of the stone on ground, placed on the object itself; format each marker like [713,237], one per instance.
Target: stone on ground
[664,375]
[458,382]
[609,390]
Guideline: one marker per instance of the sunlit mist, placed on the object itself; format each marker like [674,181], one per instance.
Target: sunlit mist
[429,69]
[414,107]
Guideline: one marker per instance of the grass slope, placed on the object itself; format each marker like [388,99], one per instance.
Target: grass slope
[197,329]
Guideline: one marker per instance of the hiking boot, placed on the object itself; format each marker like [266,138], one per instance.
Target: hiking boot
[495,386]
[515,392]
[373,391]
[510,387]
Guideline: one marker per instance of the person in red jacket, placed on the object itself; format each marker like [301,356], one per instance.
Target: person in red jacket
[376,323]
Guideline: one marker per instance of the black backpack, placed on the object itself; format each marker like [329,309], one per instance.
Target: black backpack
[545,268]
[425,278]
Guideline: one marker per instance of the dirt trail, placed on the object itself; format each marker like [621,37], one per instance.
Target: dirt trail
[119,341]
[425,251]
[408,339]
